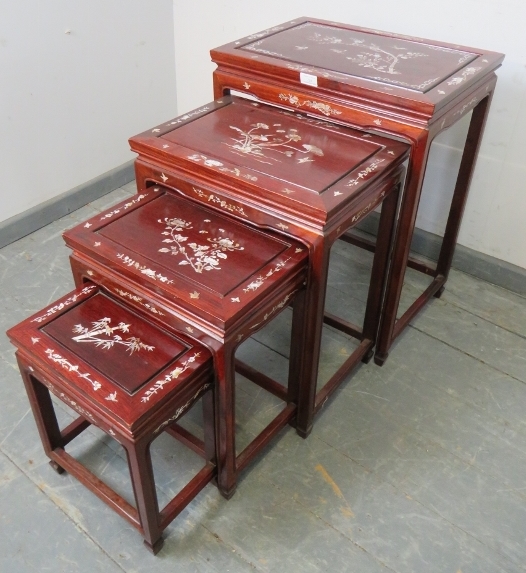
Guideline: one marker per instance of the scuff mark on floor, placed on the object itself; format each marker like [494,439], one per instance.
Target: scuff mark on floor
[346,510]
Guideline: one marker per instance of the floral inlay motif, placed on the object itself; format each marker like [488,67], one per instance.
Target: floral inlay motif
[143,269]
[103,335]
[371,57]
[218,201]
[265,33]
[187,116]
[124,207]
[66,399]
[255,284]
[172,375]
[323,108]
[273,310]
[138,299]
[373,167]
[202,257]
[112,397]
[214,163]
[263,139]
[62,305]
[463,76]
[376,58]
[181,409]
[58,359]
[466,106]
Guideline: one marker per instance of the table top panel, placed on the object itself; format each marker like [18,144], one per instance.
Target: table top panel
[285,161]
[407,63]
[362,66]
[207,265]
[110,356]
[277,144]
[115,341]
[196,245]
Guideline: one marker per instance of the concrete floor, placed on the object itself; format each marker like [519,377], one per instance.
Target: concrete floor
[419,466]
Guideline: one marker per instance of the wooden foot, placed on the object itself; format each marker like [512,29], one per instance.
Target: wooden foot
[439,292]
[379,359]
[156,547]
[302,433]
[228,494]
[367,357]
[56,467]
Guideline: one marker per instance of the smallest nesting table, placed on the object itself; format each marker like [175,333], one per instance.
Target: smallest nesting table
[128,377]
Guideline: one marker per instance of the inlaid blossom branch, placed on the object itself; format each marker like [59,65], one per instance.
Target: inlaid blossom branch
[258,143]
[199,257]
[100,334]
[172,375]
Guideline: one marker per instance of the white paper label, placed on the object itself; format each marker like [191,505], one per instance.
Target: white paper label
[309,79]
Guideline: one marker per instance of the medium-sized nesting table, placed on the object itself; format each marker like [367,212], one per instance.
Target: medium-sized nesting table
[306,179]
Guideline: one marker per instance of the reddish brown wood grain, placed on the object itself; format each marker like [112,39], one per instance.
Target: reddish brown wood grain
[219,280]
[301,176]
[74,350]
[401,86]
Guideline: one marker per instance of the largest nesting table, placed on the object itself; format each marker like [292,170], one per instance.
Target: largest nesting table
[396,85]
[305,178]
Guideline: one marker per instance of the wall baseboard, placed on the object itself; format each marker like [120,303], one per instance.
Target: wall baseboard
[489,269]
[37,217]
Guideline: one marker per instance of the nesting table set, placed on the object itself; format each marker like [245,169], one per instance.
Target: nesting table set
[238,205]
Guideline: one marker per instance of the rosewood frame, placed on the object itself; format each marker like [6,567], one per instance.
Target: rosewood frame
[384,191]
[221,336]
[135,425]
[364,106]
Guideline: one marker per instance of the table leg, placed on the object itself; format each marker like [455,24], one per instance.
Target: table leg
[224,364]
[391,327]
[379,272]
[402,245]
[465,174]
[43,411]
[311,338]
